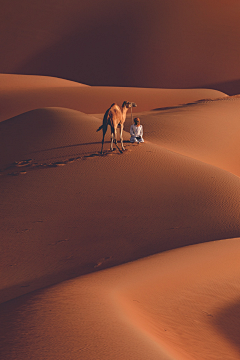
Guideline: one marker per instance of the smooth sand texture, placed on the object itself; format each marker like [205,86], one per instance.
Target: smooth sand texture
[68,211]
[19,94]
[207,131]
[24,82]
[182,304]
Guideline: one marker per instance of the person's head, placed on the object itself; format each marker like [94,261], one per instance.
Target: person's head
[137,121]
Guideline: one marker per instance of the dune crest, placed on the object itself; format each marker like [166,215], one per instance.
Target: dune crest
[20,93]
[207,131]
[23,82]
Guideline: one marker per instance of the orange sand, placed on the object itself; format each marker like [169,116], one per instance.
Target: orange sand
[182,304]
[20,94]
[67,212]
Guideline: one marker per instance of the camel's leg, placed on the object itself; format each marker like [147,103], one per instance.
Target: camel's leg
[102,145]
[115,138]
[104,133]
[112,137]
[121,137]
[115,135]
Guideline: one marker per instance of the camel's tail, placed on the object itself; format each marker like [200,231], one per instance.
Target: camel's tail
[105,123]
[100,128]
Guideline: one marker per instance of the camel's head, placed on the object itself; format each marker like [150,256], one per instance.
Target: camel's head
[128,104]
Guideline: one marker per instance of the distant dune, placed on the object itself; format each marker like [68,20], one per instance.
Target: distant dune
[163,44]
[19,94]
[229,87]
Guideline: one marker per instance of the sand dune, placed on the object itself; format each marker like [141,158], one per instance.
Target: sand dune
[207,131]
[229,87]
[131,255]
[67,211]
[26,82]
[19,94]
[182,304]
[163,44]
[49,207]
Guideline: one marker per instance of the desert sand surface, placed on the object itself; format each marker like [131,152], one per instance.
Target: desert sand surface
[24,82]
[207,131]
[162,44]
[20,93]
[68,213]
[181,304]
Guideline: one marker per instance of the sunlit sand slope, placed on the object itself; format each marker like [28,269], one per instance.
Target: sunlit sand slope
[20,93]
[208,131]
[24,82]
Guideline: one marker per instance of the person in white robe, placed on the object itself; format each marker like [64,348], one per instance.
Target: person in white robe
[136,132]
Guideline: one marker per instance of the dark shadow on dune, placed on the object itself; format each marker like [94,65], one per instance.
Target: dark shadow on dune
[227,322]
[49,280]
[228,87]
[74,145]
[102,54]
[201,101]
[22,166]
[67,146]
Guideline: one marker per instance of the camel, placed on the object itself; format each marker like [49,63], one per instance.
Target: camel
[115,116]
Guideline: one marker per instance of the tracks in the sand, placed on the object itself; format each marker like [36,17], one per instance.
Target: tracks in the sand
[21,167]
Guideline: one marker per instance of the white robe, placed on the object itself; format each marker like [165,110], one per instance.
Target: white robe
[136,132]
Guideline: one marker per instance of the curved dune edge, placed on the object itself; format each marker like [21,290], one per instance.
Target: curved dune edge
[207,131]
[189,299]
[23,82]
[182,304]
[25,93]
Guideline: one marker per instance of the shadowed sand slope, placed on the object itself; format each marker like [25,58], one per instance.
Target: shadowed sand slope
[19,94]
[229,87]
[182,305]
[208,131]
[123,43]
[67,211]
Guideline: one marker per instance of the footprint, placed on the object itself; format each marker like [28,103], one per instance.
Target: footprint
[60,163]
[23,163]
[13,174]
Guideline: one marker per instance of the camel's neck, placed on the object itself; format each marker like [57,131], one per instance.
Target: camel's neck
[124,112]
